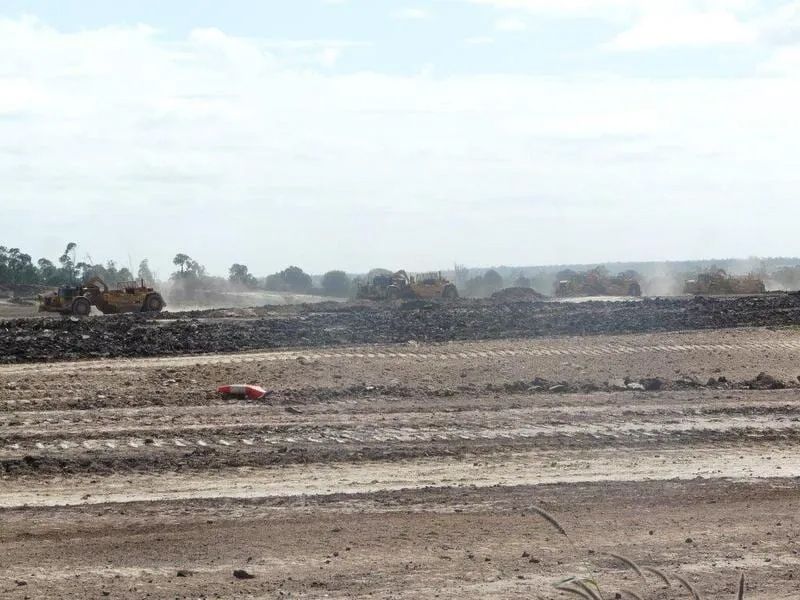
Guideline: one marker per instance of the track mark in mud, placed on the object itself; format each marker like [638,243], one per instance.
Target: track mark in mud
[522,468]
[532,350]
[750,427]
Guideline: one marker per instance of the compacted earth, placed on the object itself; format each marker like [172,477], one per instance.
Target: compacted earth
[472,450]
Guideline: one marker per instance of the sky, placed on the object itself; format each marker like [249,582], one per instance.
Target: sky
[351,134]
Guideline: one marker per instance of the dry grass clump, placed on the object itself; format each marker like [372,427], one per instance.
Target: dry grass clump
[590,589]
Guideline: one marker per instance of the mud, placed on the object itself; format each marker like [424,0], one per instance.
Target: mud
[404,470]
[330,325]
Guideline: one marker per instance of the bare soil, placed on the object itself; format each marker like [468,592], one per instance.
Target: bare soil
[402,470]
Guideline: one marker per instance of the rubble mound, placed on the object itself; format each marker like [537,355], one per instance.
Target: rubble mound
[138,334]
[765,381]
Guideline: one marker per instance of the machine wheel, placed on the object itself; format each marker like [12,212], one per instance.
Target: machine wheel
[81,307]
[153,303]
[450,292]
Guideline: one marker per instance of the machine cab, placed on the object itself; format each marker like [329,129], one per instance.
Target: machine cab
[68,292]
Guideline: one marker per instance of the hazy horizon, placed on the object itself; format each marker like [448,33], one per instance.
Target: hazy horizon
[735,265]
[351,135]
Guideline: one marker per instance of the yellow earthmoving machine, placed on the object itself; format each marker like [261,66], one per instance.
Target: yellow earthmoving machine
[401,285]
[129,296]
[598,282]
[718,282]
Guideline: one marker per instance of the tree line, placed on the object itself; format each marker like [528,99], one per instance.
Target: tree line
[18,268]
[487,283]
[291,279]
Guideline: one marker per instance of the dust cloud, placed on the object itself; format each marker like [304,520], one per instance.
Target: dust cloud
[183,295]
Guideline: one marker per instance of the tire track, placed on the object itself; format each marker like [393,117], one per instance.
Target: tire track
[391,353]
[525,468]
[192,436]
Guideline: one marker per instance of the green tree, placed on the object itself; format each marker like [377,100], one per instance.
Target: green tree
[181,260]
[274,283]
[336,283]
[291,279]
[297,280]
[145,273]
[85,270]
[240,274]
[48,272]
[475,287]
[4,272]
[124,274]
[522,282]
[492,281]
[67,261]
[189,268]
[195,269]
[19,267]
[110,273]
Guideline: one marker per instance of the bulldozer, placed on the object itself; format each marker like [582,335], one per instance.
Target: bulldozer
[718,282]
[401,285]
[597,282]
[128,296]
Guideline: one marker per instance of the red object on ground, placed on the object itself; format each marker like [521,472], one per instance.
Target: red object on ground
[251,392]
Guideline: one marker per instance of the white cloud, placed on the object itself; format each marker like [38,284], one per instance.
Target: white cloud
[781,26]
[329,56]
[479,40]
[510,24]
[649,24]
[615,9]
[607,9]
[784,61]
[412,14]
[684,29]
[234,149]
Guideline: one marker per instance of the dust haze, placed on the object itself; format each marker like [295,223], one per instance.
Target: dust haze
[222,294]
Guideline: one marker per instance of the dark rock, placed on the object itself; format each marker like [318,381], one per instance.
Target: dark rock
[652,384]
[764,381]
[242,574]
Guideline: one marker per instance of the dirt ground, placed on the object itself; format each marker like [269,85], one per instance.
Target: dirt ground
[408,470]
[12,310]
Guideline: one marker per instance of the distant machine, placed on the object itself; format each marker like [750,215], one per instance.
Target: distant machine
[597,282]
[129,296]
[718,282]
[401,285]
